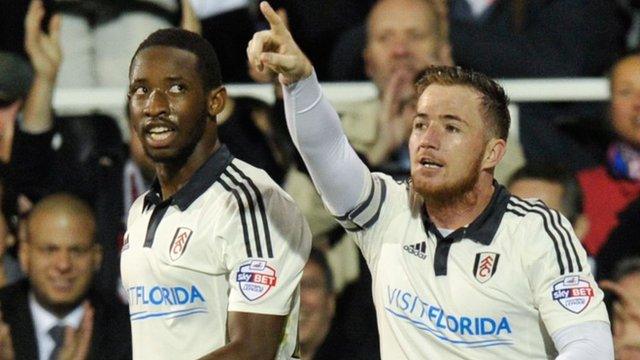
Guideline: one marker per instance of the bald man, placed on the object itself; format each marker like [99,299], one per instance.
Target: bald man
[54,313]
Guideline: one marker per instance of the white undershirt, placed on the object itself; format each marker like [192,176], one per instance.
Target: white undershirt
[43,321]
[478,7]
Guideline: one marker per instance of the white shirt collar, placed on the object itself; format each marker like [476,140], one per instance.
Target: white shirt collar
[43,321]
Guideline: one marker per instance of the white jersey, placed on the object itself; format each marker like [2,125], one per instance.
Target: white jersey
[492,290]
[229,240]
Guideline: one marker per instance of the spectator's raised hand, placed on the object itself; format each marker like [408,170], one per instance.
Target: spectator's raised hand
[275,50]
[396,114]
[43,49]
[6,346]
[78,342]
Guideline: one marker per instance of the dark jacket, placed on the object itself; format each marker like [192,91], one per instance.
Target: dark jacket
[111,328]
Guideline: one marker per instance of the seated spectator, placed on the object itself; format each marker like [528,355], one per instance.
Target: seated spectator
[54,313]
[317,307]
[556,187]
[609,188]
[622,243]
[15,81]
[9,268]
[625,286]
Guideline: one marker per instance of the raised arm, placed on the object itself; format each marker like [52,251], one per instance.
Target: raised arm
[339,175]
[46,55]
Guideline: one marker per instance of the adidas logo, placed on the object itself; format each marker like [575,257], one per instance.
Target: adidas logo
[418,249]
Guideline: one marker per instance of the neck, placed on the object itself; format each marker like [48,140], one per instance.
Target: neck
[173,176]
[308,351]
[454,213]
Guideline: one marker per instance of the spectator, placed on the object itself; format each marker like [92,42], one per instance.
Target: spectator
[15,81]
[55,313]
[626,319]
[9,268]
[317,307]
[551,38]
[556,187]
[622,243]
[609,188]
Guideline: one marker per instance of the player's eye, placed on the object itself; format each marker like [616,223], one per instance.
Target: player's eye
[139,90]
[177,88]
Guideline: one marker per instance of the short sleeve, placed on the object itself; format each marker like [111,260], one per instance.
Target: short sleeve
[564,290]
[266,245]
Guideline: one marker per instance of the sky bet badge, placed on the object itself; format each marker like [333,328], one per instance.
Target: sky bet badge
[255,278]
[573,293]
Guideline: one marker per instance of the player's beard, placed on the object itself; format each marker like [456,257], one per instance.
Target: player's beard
[451,192]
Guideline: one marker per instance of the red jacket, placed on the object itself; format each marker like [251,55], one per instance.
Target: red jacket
[604,197]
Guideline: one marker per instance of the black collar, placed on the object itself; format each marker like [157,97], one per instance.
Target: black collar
[201,180]
[484,227]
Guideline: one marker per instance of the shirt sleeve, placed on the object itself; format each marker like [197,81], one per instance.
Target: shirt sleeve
[587,341]
[383,200]
[266,245]
[564,290]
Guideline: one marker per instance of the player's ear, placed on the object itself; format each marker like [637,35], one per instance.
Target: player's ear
[493,153]
[216,100]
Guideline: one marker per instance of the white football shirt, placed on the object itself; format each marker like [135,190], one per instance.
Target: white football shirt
[494,289]
[229,240]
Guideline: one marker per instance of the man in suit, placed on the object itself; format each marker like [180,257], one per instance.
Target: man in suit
[54,314]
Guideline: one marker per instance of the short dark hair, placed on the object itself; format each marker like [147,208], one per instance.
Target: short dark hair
[208,65]
[572,193]
[317,256]
[625,267]
[494,100]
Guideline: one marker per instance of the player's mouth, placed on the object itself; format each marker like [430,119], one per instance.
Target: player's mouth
[159,136]
[428,163]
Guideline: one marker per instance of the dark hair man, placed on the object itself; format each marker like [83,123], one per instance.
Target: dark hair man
[214,251]
[556,187]
[460,268]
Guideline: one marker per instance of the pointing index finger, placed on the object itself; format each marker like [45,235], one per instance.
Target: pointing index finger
[275,22]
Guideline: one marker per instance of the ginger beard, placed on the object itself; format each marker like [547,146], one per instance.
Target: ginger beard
[449,191]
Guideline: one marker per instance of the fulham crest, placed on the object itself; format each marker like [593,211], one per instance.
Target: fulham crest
[485,266]
[179,243]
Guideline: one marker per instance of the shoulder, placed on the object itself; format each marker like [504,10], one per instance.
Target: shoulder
[14,293]
[242,176]
[247,186]
[529,213]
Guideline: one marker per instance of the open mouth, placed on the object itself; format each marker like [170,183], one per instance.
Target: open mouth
[159,135]
[430,164]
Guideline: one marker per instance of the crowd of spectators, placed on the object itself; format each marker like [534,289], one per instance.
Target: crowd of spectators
[582,159]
